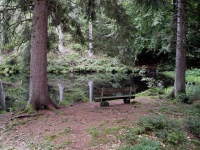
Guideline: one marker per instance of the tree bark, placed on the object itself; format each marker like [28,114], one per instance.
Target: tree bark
[1,2]
[39,96]
[90,52]
[173,25]
[2,96]
[179,85]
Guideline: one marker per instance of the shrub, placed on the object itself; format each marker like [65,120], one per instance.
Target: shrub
[192,120]
[183,98]
[130,137]
[145,144]
[167,130]
[193,91]
[152,123]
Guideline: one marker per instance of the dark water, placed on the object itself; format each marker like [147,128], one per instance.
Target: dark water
[67,89]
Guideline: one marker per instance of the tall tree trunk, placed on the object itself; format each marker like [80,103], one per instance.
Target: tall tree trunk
[2,96]
[173,25]
[60,46]
[0,50]
[90,52]
[1,39]
[39,96]
[179,85]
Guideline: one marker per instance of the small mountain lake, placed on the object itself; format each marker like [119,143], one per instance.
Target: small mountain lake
[70,88]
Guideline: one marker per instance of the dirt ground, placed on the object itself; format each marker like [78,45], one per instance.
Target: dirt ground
[67,128]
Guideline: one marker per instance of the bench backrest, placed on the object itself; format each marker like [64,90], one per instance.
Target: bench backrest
[114,91]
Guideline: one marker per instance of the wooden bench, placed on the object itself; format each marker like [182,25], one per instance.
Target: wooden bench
[108,94]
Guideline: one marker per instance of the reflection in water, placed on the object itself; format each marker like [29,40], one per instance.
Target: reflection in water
[2,96]
[78,87]
[61,89]
[55,95]
[90,84]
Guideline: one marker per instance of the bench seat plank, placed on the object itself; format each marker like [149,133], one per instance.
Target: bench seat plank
[109,98]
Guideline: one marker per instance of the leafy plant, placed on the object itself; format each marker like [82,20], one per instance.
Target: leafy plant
[183,98]
[145,144]
[192,120]
[167,130]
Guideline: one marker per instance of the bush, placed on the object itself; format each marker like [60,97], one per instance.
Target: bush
[192,120]
[152,123]
[9,69]
[145,144]
[167,130]
[183,98]
[193,91]
[130,137]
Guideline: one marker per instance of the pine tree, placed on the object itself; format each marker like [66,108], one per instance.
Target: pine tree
[39,96]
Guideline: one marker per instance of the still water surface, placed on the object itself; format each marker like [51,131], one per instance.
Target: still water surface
[67,89]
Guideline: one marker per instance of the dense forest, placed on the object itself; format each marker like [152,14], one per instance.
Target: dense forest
[144,52]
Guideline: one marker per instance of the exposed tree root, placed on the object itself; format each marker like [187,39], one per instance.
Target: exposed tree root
[40,105]
[52,105]
[25,116]
[171,94]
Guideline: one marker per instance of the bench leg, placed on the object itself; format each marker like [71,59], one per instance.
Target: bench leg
[104,104]
[126,101]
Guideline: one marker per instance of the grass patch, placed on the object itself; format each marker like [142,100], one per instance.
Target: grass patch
[152,92]
[144,144]
[52,137]
[43,145]
[94,132]
[58,112]
[191,75]
[28,110]
[192,120]
[101,135]
[104,123]
[66,131]
[64,144]
[110,130]
[168,130]
[130,138]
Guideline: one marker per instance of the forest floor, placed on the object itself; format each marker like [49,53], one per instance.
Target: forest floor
[83,126]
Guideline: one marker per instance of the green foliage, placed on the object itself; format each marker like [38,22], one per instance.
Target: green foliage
[42,145]
[192,86]
[193,91]
[8,70]
[26,56]
[94,132]
[75,95]
[111,130]
[64,145]
[152,92]
[76,63]
[152,83]
[2,112]
[191,75]
[130,137]
[145,144]
[192,120]
[167,130]
[183,98]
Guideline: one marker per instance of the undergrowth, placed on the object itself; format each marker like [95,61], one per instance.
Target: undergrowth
[167,130]
[192,120]
[144,144]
